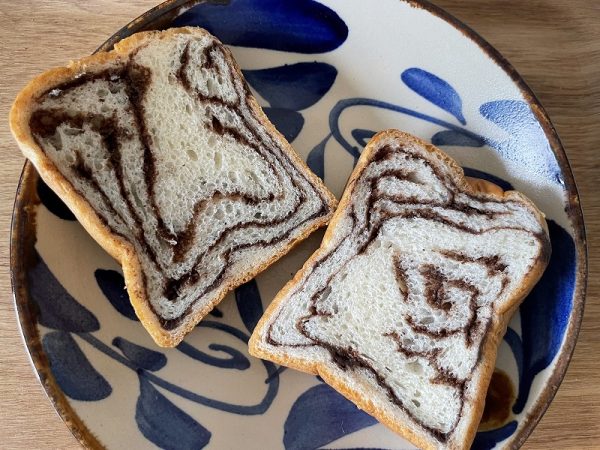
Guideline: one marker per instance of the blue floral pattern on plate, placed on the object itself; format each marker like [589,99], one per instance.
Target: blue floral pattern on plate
[318,416]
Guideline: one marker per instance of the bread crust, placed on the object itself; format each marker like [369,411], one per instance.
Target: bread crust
[119,248]
[491,341]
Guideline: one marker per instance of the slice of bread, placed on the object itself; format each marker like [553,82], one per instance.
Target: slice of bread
[403,306]
[167,160]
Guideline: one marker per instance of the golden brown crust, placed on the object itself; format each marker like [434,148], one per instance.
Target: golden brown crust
[491,341]
[120,249]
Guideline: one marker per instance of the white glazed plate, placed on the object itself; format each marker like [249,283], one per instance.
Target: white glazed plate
[329,75]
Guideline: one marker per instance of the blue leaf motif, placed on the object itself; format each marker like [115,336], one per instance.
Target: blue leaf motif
[453,137]
[57,308]
[487,440]
[316,158]
[362,136]
[342,105]
[164,424]
[288,122]
[528,143]
[302,26]
[236,359]
[53,202]
[320,416]
[72,370]
[294,86]
[249,303]
[505,185]
[112,285]
[434,89]
[544,317]
[142,357]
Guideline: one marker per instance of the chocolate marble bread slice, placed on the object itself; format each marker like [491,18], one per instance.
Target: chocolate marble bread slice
[403,306]
[167,160]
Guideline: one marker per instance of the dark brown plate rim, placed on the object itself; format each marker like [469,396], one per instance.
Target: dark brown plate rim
[23,222]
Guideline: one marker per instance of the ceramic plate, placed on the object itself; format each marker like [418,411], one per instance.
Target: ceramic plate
[329,75]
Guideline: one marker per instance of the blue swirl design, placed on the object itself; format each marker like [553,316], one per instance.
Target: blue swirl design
[513,116]
[360,134]
[236,358]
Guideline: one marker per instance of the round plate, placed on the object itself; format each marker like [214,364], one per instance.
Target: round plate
[329,74]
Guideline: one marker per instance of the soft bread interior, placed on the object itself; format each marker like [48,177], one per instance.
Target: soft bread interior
[169,148]
[415,272]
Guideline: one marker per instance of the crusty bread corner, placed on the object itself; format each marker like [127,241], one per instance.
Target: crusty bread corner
[117,247]
[491,342]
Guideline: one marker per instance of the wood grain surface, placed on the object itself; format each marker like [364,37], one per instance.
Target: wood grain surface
[554,44]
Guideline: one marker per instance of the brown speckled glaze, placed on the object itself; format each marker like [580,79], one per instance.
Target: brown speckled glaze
[23,233]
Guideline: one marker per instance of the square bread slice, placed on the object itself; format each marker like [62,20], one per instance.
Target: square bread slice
[403,306]
[167,160]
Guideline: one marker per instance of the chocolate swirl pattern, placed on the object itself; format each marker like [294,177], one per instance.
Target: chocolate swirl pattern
[415,277]
[166,143]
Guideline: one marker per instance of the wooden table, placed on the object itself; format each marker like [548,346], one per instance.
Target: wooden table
[554,44]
